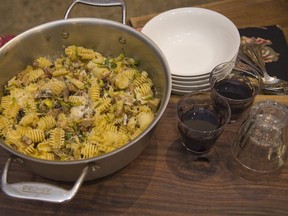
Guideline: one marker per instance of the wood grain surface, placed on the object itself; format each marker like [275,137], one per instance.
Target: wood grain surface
[164,180]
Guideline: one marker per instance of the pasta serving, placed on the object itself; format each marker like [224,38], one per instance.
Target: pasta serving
[77,106]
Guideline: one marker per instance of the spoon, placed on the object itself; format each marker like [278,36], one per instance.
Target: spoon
[251,55]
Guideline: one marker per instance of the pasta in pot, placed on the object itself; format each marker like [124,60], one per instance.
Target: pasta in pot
[77,106]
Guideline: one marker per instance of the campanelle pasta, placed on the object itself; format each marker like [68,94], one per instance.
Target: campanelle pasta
[77,106]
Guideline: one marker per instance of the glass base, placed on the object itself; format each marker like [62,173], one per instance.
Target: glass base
[203,161]
[251,176]
[194,152]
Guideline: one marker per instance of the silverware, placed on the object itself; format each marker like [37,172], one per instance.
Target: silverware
[251,55]
[277,89]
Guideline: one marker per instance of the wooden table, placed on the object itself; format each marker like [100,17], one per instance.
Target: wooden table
[163,180]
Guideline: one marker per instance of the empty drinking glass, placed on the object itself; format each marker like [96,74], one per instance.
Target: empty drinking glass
[260,148]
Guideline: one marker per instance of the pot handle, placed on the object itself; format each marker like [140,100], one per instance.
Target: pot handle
[40,191]
[100,3]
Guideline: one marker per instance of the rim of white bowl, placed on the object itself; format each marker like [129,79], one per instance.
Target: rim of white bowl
[188,10]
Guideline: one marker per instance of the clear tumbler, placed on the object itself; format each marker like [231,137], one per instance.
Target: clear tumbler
[260,147]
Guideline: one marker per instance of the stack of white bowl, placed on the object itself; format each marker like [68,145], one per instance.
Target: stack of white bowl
[194,41]
[186,84]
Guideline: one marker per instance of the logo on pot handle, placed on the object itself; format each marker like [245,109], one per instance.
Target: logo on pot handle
[36,190]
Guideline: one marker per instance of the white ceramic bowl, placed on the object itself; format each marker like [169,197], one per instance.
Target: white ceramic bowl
[194,40]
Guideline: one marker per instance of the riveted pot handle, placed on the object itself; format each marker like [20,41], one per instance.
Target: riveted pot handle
[40,191]
[100,3]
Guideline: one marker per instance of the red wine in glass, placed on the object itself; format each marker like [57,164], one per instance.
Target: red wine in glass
[194,121]
[238,94]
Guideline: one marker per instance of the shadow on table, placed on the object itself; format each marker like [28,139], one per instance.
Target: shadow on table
[216,173]
[184,165]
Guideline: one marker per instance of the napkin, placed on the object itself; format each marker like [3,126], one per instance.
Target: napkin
[4,39]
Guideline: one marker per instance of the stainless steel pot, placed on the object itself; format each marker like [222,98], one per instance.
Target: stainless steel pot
[109,38]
